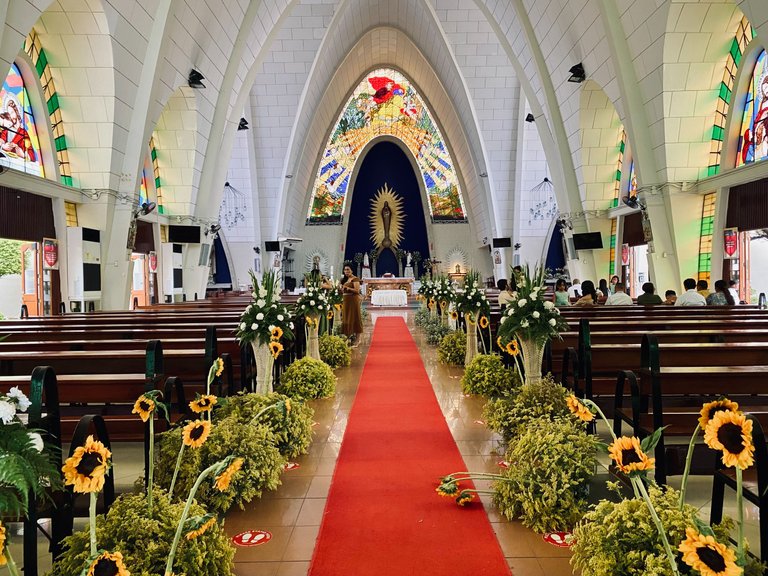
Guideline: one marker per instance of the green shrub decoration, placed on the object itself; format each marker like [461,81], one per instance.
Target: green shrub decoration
[292,430]
[436,331]
[421,318]
[146,542]
[617,539]
[256,444]
[335,351]
[307,379]
[544,398]
[546,485]
[487,376]
[453,348]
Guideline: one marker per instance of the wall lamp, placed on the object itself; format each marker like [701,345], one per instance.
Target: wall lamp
[577,73]
[195,79]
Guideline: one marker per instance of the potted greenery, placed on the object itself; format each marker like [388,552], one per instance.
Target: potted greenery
[487,376]
[308,378]
[335,351]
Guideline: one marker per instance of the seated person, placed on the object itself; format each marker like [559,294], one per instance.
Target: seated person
[619,297]
[648,297]
[702,287]
[670,297]
[575,290]
[505,296]
[561,293]
[690,297]
[590,294]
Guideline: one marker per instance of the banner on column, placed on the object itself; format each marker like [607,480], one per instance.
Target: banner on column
[50,254]
[625,254]
[730,243]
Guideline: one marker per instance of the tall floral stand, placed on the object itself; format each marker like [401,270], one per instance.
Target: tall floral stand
[313,343]
[532,353]
[471,323]
[433,310]
[264,364]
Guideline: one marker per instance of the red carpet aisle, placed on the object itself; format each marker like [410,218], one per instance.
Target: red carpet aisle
[383,516]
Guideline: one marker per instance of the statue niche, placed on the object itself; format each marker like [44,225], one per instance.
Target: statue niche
[387,219]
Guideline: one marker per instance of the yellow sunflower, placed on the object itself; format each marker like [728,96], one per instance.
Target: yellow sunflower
[144,407]
[276,333]
[225,478]
[3,559]
[449,487]
[628,455]
[483,322]
[219,363]
[443,304]
[470,319]
[203,403]
[465,498]
[337,306]
[275,348]
[498,343]
[709,410]
[196,433]
[454,315]
[430,303]
[329,315]
[87,467]
[578,409]
[199,526]
[512,348]
[731,432]
[309,320]
[110,563]
[707,556]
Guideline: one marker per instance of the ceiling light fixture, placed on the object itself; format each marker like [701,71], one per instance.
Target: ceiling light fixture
[530,118]
[243,124]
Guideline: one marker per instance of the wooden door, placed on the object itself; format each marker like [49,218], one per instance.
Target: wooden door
[30,278]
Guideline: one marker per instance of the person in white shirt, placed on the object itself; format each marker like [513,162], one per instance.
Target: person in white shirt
[734,292]
[619,297]
[575,290]
[690,297]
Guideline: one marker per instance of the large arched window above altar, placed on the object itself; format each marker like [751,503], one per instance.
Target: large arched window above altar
[385,103]
[753,137]
[19,145]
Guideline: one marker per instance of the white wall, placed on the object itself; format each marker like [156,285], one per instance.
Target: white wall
[10,295]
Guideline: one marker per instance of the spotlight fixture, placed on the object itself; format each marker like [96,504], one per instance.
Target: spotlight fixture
[213,230]
[631,201]
[195,79]
[146,208]
[577,73]
[243,124]
[483,174]
[530,118]
[288,176]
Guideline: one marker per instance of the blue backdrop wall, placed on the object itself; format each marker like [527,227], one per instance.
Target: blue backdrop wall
[386,163]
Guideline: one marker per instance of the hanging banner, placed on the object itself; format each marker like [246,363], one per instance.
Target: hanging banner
[731,243]
[153,262]
[625,254]
[50,254]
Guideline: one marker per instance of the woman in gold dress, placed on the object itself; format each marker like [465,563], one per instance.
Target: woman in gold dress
[352,324]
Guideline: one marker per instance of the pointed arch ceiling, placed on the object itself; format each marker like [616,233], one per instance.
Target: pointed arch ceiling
[385,102]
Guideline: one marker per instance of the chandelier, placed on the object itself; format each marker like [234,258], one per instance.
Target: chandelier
[233,206]
[544,205]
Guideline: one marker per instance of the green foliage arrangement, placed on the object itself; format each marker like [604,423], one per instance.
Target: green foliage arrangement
[335,351]
[10,257]
[486,375]
[292,428]
[620,539]
[436,330]
[256,444]
[546,486]
[421,318]
[307,379]
[145,541]
[453,348]
[542,399]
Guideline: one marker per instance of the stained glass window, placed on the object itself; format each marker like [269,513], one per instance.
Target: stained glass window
[632,186]
[19,145]
[619,168]
[705,236]
[385,103]
[753,139]
[143,193]
[156,172]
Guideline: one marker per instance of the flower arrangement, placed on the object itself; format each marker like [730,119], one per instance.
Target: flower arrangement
[472,301]
[313,304]
[265,313]
[308,378]
[453,347]
[487,376]
[426,293]
[335,351]
[443,294]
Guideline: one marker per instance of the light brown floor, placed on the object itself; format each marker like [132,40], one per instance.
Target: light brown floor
[293,513]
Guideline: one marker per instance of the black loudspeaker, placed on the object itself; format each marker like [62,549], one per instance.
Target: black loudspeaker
[290,283]
[272,246]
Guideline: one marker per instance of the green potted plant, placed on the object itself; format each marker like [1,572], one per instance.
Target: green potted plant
[453,346]
[308,379]
[487,376]
[335,351]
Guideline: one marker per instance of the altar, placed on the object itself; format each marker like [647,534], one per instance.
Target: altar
[372,284]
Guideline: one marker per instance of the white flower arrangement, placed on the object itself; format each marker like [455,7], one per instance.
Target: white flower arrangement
[472,300]
[262,316]
[11,403]
[313,303]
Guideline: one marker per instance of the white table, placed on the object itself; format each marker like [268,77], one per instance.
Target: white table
[389,298]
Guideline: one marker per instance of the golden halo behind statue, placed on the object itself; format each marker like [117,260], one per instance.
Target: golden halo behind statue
[387,219]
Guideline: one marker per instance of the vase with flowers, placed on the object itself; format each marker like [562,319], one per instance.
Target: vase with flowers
[313,305]
[531,320]
[263,324]
[473,305]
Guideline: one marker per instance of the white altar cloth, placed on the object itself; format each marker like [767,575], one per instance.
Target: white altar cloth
[389,298]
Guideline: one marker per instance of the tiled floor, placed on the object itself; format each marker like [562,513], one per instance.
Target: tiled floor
[293,513]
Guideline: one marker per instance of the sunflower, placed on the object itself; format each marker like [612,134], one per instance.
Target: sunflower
[203,403]
[276,333]
[275,348]
[454,315]
[196,433]
[431,303]
[578,409]
[483,322]
[329,315]
[87,467]
[709,410]
[512,348]
[3,560]
[464,498]
[731,432]
[108,564]
[707,556]
[443,304]
[449,487]
[337,306]
[199,525]
[223,480]
[287,403]
[498,342]
[628,455]
[219,364]
[470,319]
[144,407]
[309,320]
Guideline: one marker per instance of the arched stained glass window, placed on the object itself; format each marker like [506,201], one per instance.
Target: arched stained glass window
[19,145]
[632,182]
[385,103]
[753,138]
